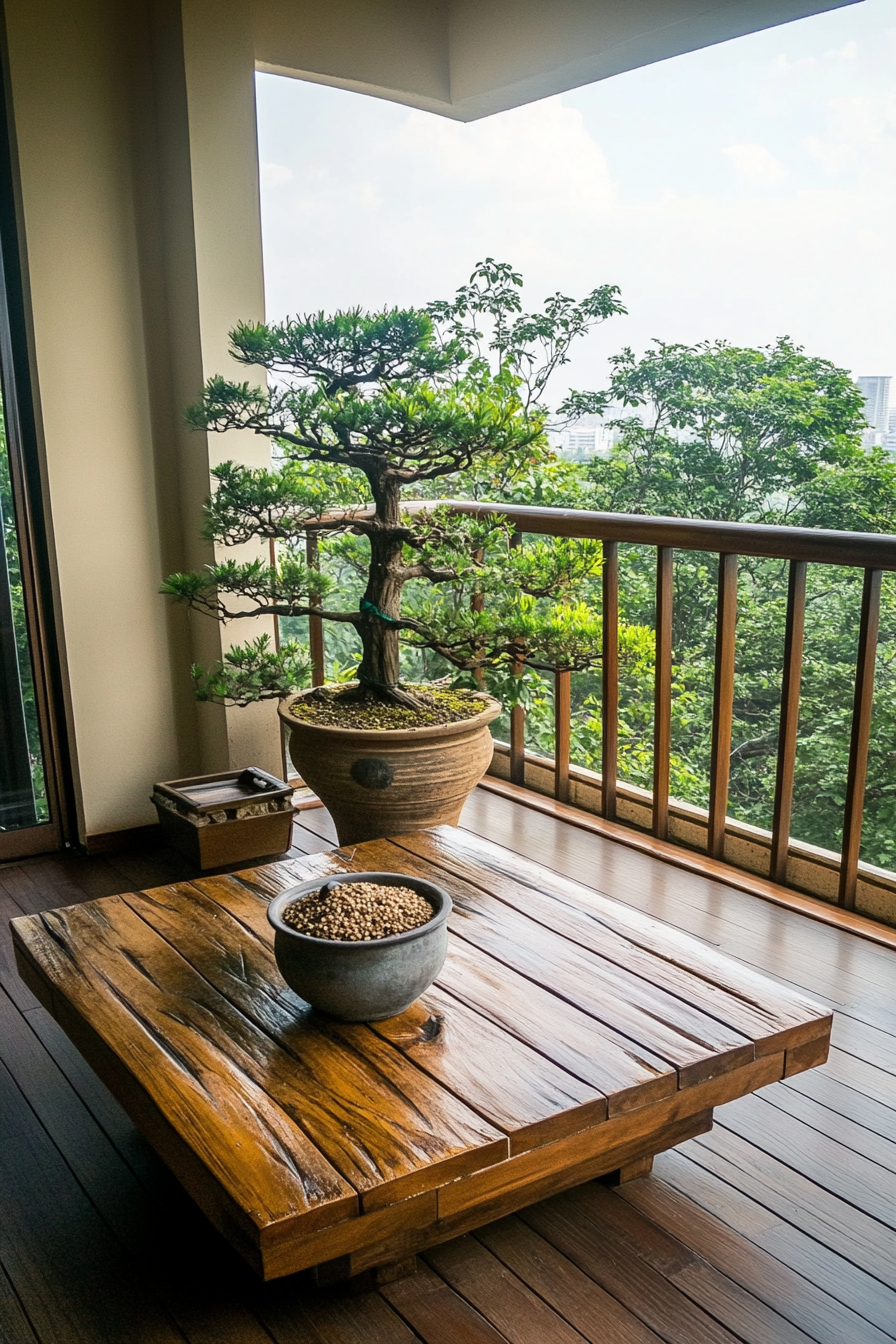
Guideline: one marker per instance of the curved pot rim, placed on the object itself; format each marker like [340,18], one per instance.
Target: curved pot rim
[349,948]
[491,709]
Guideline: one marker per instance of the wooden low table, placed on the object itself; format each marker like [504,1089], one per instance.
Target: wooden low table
[568,1037]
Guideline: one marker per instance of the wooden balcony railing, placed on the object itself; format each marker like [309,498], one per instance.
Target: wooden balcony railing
[871,553]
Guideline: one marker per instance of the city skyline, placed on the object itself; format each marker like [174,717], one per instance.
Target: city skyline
[591,436]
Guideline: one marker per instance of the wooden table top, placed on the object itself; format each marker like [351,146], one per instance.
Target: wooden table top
[563,1023]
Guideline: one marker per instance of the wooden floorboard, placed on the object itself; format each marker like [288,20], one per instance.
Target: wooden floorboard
[776,1228]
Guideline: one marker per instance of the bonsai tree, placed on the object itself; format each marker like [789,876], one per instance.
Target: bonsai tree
[365,411]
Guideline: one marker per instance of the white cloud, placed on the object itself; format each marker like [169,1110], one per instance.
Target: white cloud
[860,137]
[756,164]
[540,155]
[275,174]
[849,52]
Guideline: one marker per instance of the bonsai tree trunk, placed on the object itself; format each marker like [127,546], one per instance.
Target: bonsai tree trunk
[380,668]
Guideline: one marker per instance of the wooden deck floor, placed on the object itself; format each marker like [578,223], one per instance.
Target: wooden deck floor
[780,1225]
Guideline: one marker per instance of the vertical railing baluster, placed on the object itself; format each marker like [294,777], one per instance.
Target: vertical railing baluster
[609,715]
[789,722]
[562,731]
[477,603]
[861,733]
[723,705]
[315,624]
[517,716]
[662,698]
[284,759]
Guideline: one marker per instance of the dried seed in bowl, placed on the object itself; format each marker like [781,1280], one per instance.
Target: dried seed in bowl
[358,912]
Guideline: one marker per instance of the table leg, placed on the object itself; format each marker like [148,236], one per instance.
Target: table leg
[339,1271]
[642,1166]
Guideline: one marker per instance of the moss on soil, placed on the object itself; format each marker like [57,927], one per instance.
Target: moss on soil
[329,707]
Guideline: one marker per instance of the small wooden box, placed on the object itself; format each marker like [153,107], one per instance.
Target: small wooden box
[227,817]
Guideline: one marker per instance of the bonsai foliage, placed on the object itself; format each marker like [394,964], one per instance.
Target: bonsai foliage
[363,409]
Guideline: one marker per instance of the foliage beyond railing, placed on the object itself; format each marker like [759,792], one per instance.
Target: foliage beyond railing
[871,553]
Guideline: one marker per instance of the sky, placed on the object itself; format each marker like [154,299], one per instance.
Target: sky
[745,192]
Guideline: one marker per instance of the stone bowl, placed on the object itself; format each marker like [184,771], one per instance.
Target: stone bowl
[363,981]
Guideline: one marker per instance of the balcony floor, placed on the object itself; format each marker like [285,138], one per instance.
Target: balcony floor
[780,1225]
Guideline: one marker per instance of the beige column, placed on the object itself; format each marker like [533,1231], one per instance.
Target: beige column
[139,215]
[213,268]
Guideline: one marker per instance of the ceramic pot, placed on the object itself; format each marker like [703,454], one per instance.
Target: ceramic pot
[365,981]
[380,782]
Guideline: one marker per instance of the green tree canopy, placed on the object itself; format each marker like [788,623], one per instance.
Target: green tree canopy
[729,433]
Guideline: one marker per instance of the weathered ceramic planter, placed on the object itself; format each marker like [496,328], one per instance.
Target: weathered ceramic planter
[380,782]
[364,981]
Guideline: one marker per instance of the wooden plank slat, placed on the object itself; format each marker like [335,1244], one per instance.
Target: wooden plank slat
[848,1284]
[526,1095]
[402,1223]
[558,1166]
[609,679]
[843,1129]
[383,1123]
[75,1281]
[722,706]
[860,736]
[14,1324]
[315,624]
[789,722]
[493,796]
[437,1313]
[697,1044]
[477,603]
[843,1100]
[662,695]
[818,1312]
[608,1061]
[736,1306]
[501,1298]
[591,1310]
[774,1016]
[847,1174]
[571,1224]
[203,1068]
[788,1194]
[297,1316]
[562,731]
[636,1134]
[517,741]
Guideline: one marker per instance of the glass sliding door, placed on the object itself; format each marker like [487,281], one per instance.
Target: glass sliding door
[32,753]
[23,796]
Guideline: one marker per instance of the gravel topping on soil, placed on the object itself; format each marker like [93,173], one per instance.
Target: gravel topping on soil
[332,707]
[358,912]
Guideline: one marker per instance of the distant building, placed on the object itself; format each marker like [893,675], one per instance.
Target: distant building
[586,439]
[890,440]
[876,391]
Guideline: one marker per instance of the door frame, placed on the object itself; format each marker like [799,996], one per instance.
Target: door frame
[17,384]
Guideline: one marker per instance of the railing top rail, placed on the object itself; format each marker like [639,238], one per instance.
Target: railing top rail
[869,550]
